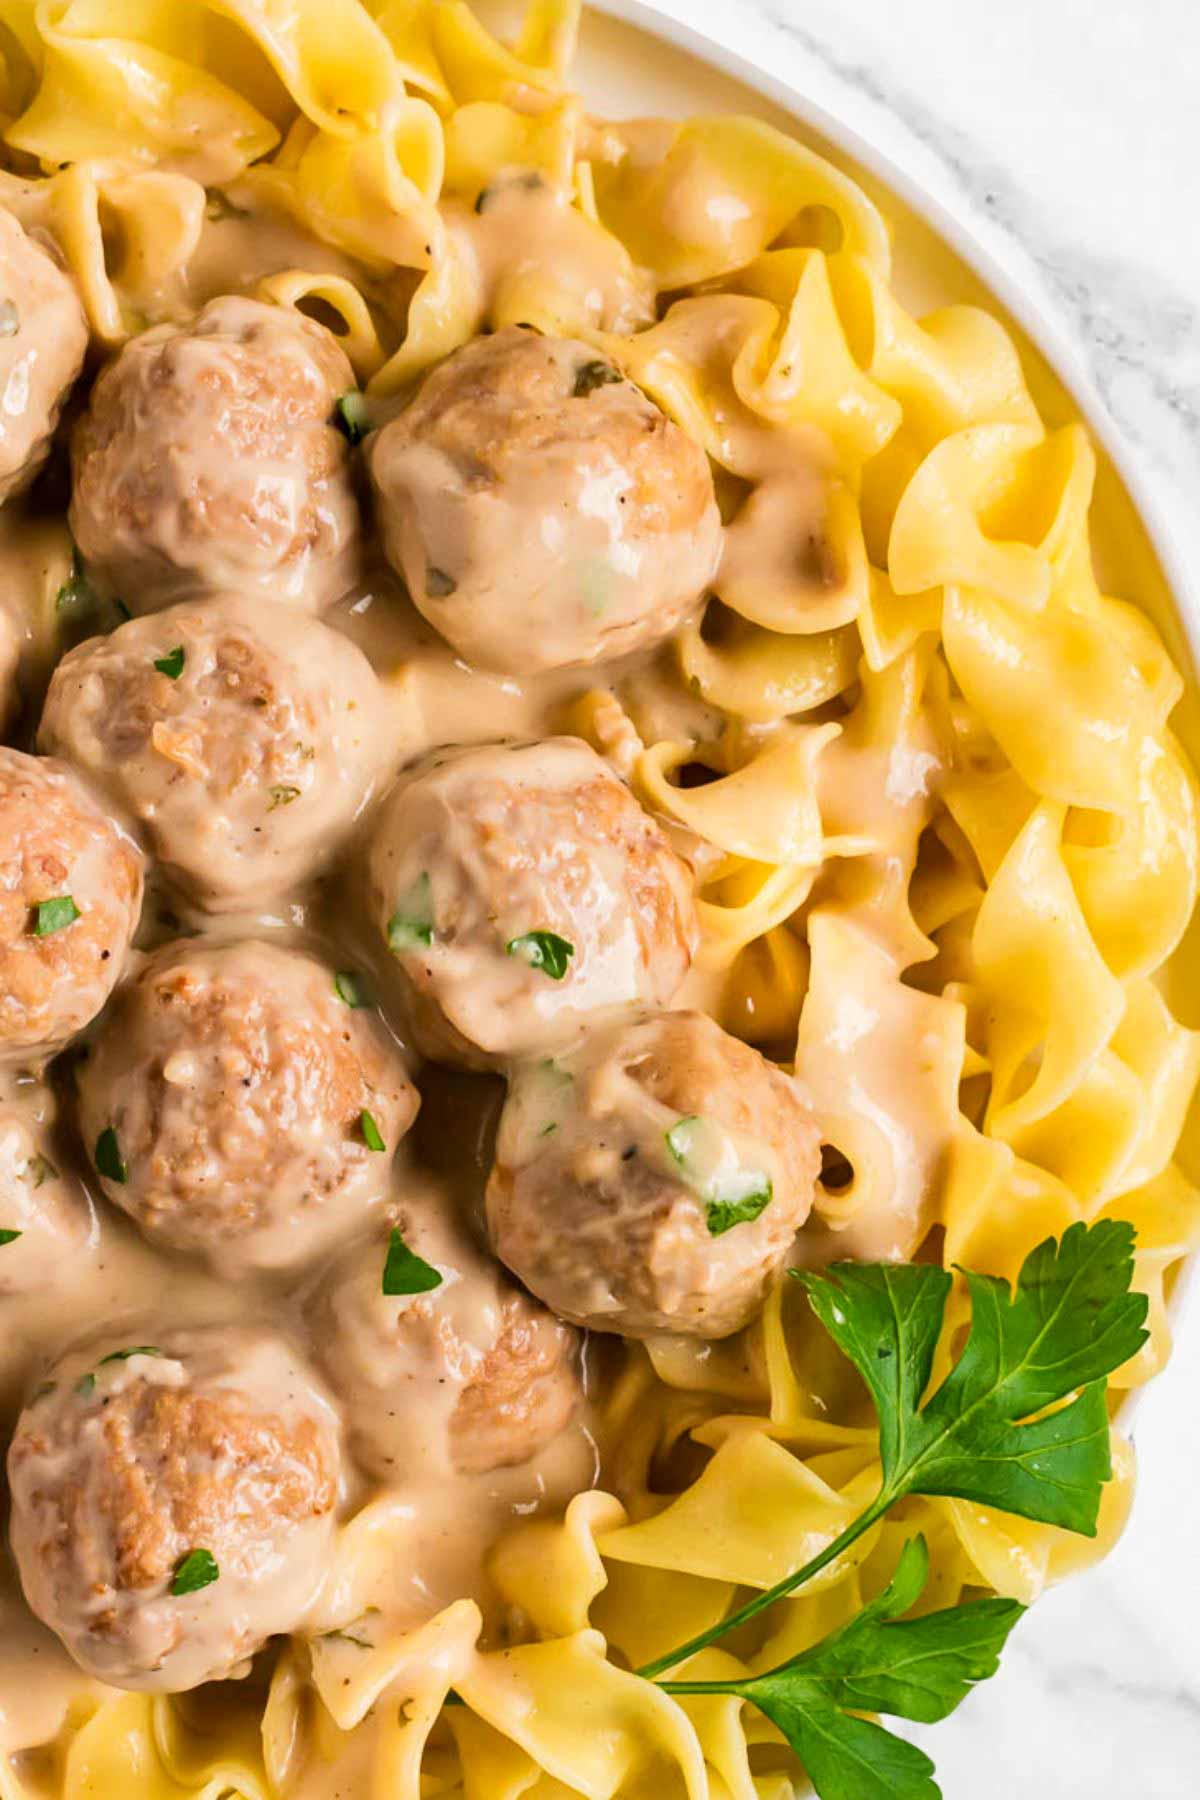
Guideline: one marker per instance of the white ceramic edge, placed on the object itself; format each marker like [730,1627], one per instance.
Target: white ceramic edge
[1048,337]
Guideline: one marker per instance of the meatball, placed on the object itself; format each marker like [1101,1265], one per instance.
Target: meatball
[70,896]
[652,1179]
[243,735]
[208,458]
[541,510]
[521,888]
[43,337]
[466,1376]
[234,1104]
[173,1504]
[44,1217]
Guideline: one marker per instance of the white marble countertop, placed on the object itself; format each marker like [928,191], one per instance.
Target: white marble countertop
[1067,134]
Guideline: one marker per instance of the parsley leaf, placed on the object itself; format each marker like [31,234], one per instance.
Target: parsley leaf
[732,1195]
[912,1669]
[108,1159]
[8,1236]
[543,950]
[134,1350]
[986,1435]
[372,1136]
[405,1272]
[53,915]
[171,665]
[198,1569]
[1069,1324]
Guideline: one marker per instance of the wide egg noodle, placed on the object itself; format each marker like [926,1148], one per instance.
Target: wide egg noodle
[949,842]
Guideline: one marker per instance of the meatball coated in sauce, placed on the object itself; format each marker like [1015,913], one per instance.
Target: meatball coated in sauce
[44,1217]
[226,1103]
[43,337]
[541,510]
[242,735]
[208,459]
[653,1179]
[520,889]
[469,1376]
[212,1451]
[70,897]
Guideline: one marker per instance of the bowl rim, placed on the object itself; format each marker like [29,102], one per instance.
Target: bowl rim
[1051,338]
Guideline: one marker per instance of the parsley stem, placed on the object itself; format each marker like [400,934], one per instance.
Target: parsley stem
[878,1507]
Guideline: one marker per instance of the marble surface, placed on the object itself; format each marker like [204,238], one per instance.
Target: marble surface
[1067,135]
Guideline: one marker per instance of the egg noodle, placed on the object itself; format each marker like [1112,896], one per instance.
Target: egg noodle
[946,841]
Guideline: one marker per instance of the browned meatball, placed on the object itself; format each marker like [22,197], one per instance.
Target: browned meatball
[237,1106]
[466,1376]
[173,1503]
[521,888]
[653,1179]
[70,896]
[244,737]
[208,459]
[541,510]
[43,337]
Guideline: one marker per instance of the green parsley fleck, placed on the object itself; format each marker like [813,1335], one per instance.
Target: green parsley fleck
[54,915]
[8,1236]
[108,1159]
[405,1272]
[171,665]
[438,585]
[592,375]
[352,417]
[543,950]
[351,988]
[134,1350]
[198,1569]
[732,1196]
[372,1136]
[86,1385]
[411,925]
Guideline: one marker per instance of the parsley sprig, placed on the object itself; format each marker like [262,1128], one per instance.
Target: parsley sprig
[1019,1423]
[878,1663]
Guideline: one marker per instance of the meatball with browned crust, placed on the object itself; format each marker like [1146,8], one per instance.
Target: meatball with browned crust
[236,1105]
[70,896]
[43,337]
[173,1502]
[541,509]
[521,888]
[455,1370]
[653,1179]
[208,459]
[243,736]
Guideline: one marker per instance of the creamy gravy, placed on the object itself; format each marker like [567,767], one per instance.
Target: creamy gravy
[437,1530]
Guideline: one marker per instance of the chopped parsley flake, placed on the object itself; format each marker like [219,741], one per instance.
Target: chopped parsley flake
[8,1236]
[171,665]
[372,1136]
[592,375]
[54,915]
[405,1272]
[543,950]
[108,1159]
[198,1569]
[134,1350]
[351,988]
[411,925]
[352,417]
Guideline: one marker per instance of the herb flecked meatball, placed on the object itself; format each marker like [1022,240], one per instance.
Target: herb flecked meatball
[542,511]
[652,1179]
[173,1503]
[208,459]
[235,1105]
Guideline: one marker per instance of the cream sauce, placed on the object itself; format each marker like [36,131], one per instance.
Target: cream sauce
[414,1548]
